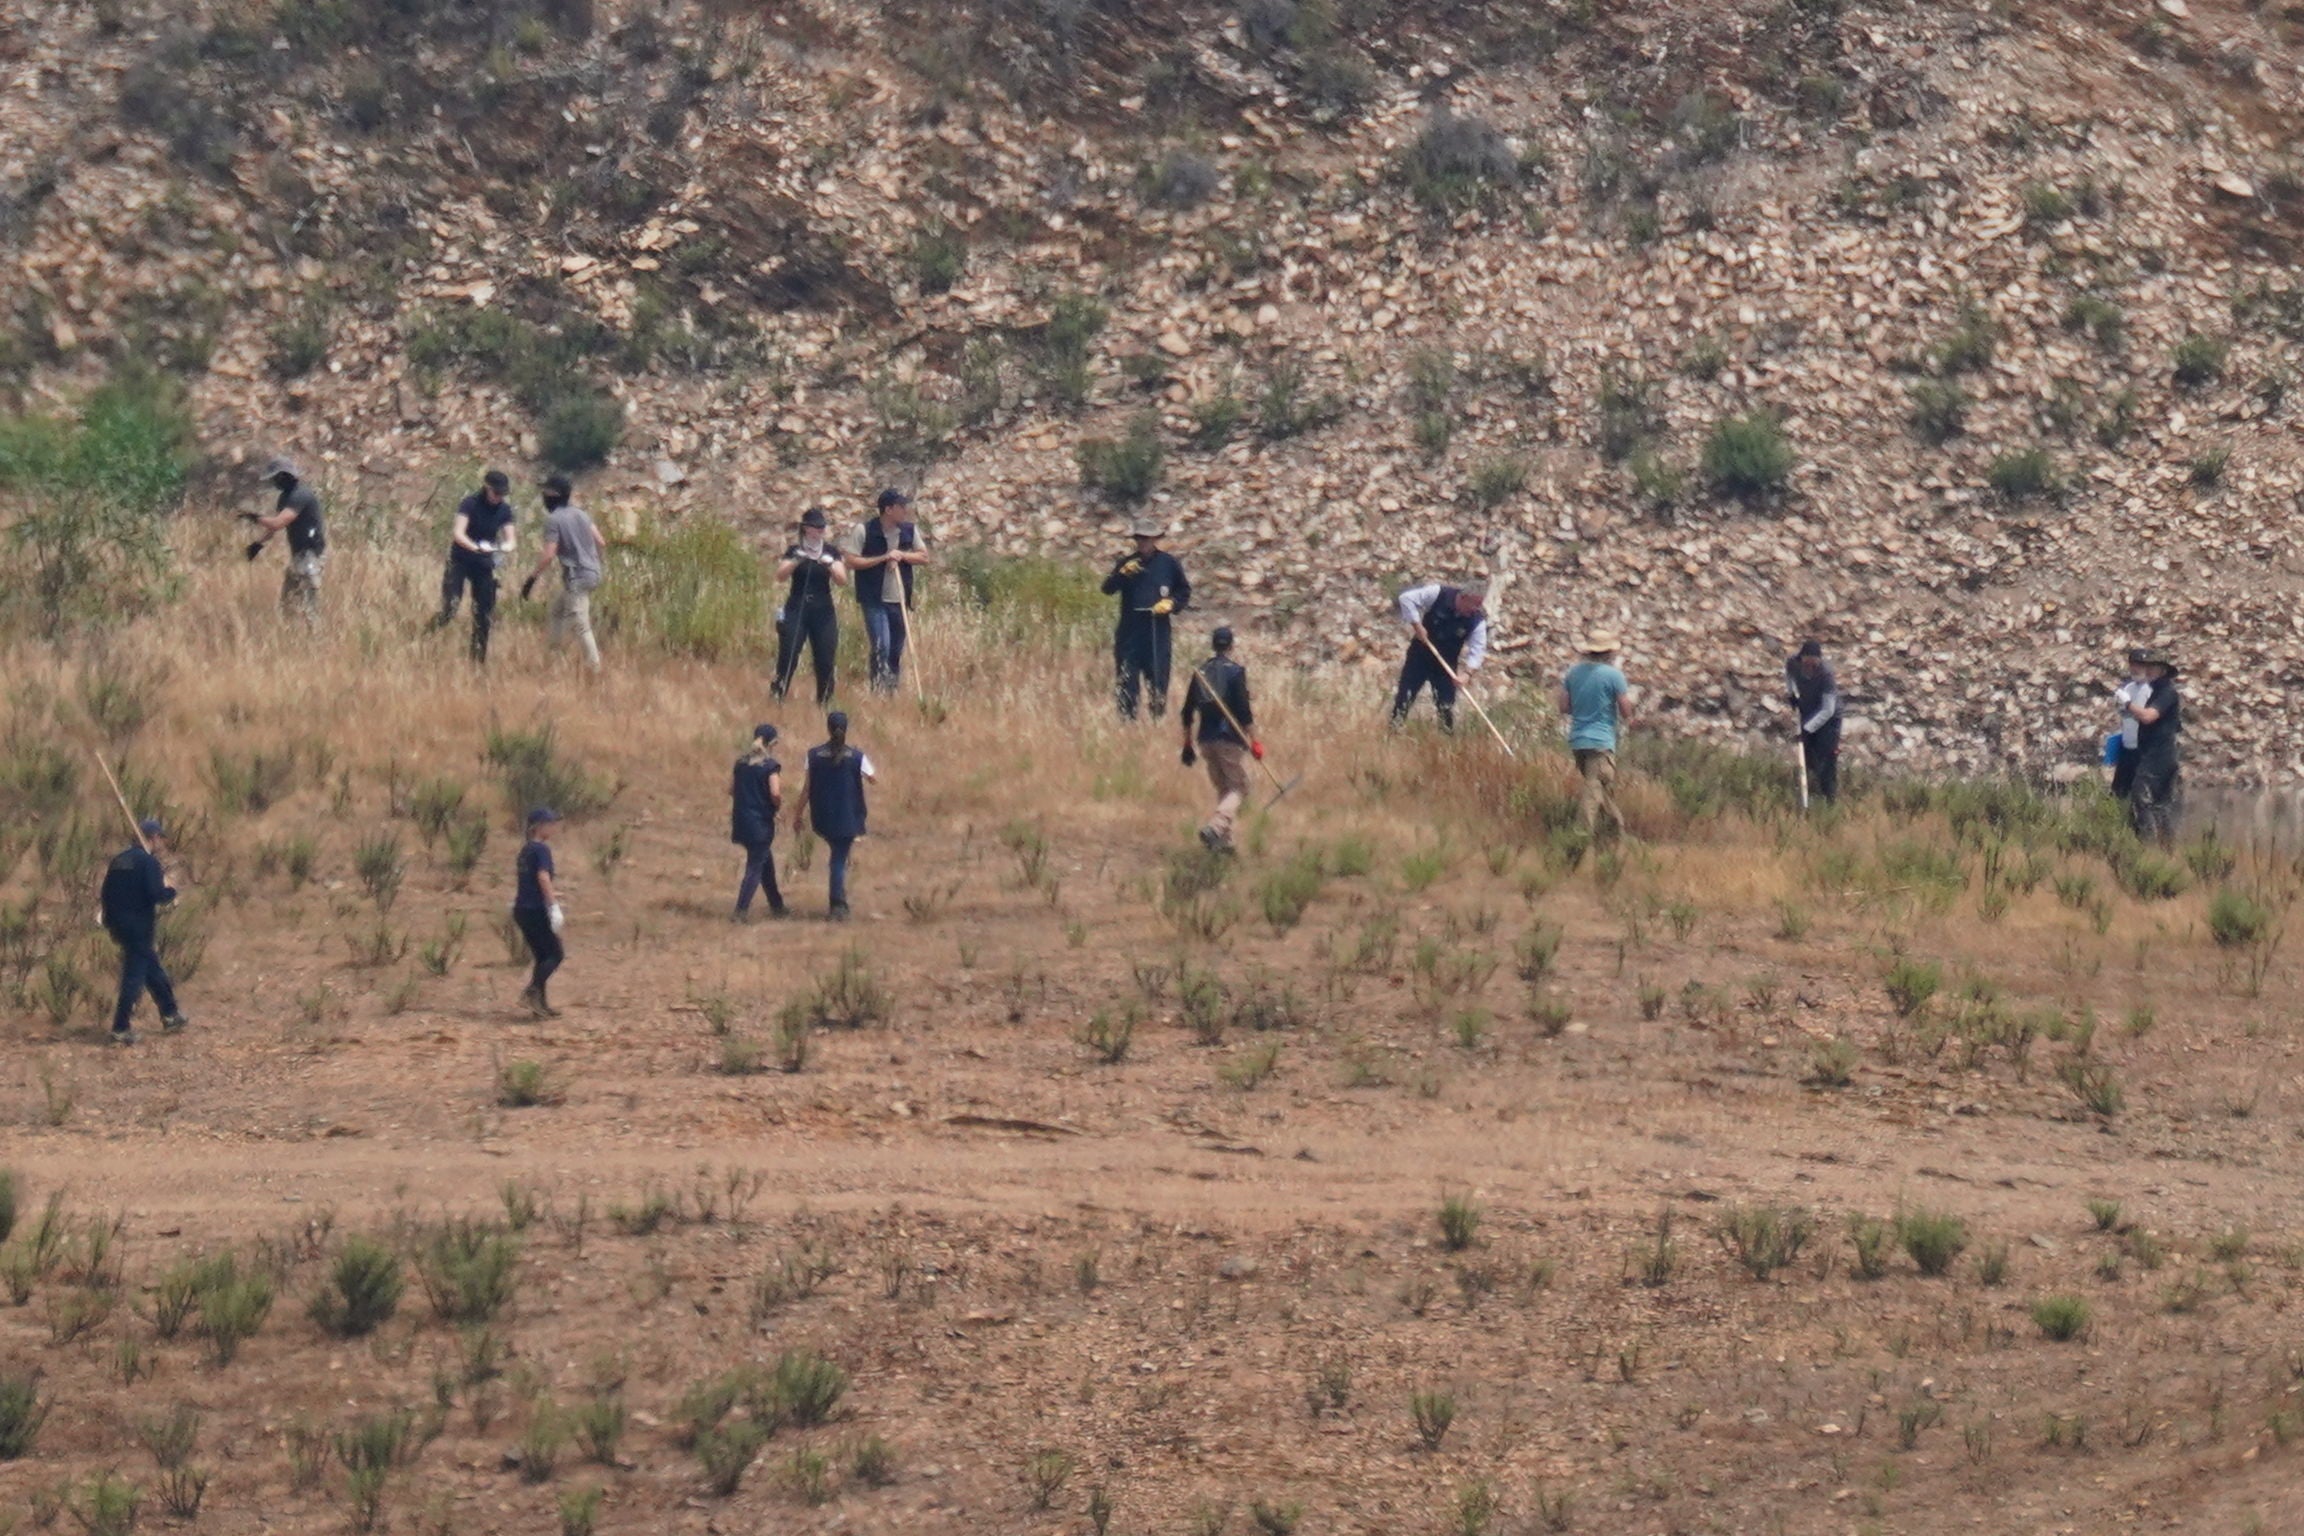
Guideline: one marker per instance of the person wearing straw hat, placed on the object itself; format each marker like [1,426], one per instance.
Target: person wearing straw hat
[755,795]
[1447,641]
[135,889]
[298,511]
[1593,700]
[536,909]
[814,567]
[2159,718]
[1217,698]
[883,540]
[1151,586]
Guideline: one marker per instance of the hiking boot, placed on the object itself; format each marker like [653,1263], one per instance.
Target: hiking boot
[172,1023]
[545,1010]
[740,915]
[840,912]
[124,1037]
[778,909]
[1210,840]
[533,1001]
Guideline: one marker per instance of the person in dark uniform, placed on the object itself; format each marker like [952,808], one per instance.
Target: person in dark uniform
[1815,696]
[298,511]
[813,567]
[536,909]
[755,796]
[135,889]
[483,535]
[886,540]
[1216,699]
[2159,718]
[1452,621]
[831,800]
[1151,587]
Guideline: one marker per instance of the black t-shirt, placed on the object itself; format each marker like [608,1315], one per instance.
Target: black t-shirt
[1218,678]
[483,524]
[307,535]
[535,859]
[2156,739]
[812,576]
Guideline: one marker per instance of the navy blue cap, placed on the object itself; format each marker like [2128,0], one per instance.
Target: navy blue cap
[813,518]
[1222,639]
[150,827]
[1812,648]
[893,497]
[764,732]
[837,721]
[497,481]
[542,813]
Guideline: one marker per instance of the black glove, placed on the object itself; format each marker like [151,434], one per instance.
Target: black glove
[528,589]
[251,517]
[255,549]
[1190,756]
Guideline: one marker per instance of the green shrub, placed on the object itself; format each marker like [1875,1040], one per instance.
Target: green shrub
[1933,1239]
[939,255]
[363,1290]
[2023,473]
[469,1273]
[1433,1413]
[580,428]
[806,1388]
[1459,1222]
[2200,360]
[726,1451]
[22,1412]
[1911,983]
[1765,1238]
[1939,410]
[693,589]
[2101,320]
[1968,348]
[2062,1318]
[1747,456]
[2237,920]
[1288,890]
[1496,481]
[230,1313]
[1285,408]
[529,766]
[1127,468]
[299,340]
[1065,346]
[2045,205]
[1872,1240]
[1457,162]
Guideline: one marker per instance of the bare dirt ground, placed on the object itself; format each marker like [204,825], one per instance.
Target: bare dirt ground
[1197,1292]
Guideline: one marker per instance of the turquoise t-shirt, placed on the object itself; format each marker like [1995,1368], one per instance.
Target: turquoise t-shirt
[1593,689]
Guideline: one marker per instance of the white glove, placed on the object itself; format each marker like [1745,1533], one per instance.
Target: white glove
[554,913]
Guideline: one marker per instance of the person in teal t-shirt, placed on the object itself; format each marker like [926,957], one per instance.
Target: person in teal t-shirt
[1592,700]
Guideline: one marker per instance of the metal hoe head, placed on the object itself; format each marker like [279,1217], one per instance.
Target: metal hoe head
[1281,792]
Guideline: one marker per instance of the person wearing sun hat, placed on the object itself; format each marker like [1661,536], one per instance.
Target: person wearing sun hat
[1151,586]
[2159,718]
[1593,701]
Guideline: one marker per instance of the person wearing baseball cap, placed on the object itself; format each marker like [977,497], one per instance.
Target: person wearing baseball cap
[536,909]
[481,537]
[755,796]
[831,802]
[2159,718]
[1151,585]
[135,889]
[297,511]
[571,539]
[1815,696]
[1594,702]
[813,566]
[888,538]
[1217,699]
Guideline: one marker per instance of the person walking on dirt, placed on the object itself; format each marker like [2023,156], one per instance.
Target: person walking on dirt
[882,541]
[483,535]
[1216,699]
[1449,621]
[298,511]
[814,567]
[2159,718]
[2136,688]
[1151,586]
[135,889]
[1593,701]
[571,539]
[1815,696]
[832,801]
[755,796]
[536,909]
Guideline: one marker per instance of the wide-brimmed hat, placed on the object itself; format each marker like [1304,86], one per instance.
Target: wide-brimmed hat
[2157,656]
[1599,642]
[1147,528]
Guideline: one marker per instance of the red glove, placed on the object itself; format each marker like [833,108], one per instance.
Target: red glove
[1256,750]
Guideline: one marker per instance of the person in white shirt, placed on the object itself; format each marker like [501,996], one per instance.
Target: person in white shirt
[885,540]
[1447,641]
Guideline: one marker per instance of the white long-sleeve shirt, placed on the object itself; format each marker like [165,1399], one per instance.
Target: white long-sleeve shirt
[1416,602]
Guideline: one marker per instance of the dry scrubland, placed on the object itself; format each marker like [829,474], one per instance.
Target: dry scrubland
[1425,1173]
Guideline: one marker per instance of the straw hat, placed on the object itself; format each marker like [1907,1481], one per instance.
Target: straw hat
[1599,642]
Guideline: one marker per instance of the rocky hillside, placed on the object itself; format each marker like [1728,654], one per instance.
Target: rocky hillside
[1997,303]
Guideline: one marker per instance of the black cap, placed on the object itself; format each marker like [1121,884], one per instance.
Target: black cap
[1222,639]
[814,518]
[893,497]
[541,814]
[764,732]
[1813,648]
[837,722]
[150,827]
[497,481]
[556,485]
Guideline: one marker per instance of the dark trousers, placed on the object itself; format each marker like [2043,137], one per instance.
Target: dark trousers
[536,927]
[759,871]
[1422,668]
[1820,752]
[479,573]
[841,847]
[818,628]
[140,971]
[888,628]
[2124,772]
[451,591]
[2152,799]
[1140,652]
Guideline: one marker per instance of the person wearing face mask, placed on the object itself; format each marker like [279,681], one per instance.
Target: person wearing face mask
[813,566]
[298,512]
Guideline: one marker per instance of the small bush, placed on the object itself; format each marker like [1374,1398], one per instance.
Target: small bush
[1125,469]
[22,1412]
[1746,456]
[2023,473]
[2062,1318]
[1180,179]
[1832,1063]
[1457,162]
[532,771]
[806,1388]
[1459,1222]
[1933,1239]
[363,1290]
[231,1311]
[1872,1241]
[850,996]
[1045,1474]
[299,340]
[2101,320]
[2094,1083]
[1939,410]
[2237,920]
[1765,1238]
[1432,1413]
[581,428]
[726,1451]
[2199,360]
[1107,1036]
[939,255]
[2104,1214]
[469,1273]
[1285,408]
[1970,345]
[525,1084]
[1911,983]
[2045,205]
[599,1427]
[1497,481]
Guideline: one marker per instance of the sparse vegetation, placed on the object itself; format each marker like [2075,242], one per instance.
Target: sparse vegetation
[1747,456]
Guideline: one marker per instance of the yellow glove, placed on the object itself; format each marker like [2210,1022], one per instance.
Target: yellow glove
[1163,608]
[1131,567]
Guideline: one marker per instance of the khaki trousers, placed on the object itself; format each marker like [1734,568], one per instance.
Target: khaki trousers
[572,615]
[1228,770]
[1599,770]
[300,585]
